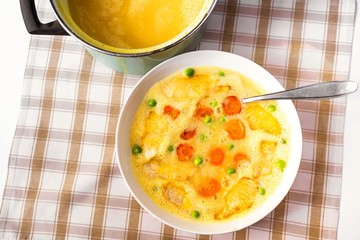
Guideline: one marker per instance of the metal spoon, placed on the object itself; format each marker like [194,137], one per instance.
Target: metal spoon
[313,91]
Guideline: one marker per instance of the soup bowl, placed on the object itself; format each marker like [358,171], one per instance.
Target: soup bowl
[223,60]
[133,61]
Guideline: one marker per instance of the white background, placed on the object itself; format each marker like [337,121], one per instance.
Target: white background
[13,54]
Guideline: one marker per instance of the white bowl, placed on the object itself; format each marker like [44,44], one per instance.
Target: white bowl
[208,58]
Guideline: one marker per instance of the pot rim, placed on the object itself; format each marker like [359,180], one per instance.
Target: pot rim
[137,54]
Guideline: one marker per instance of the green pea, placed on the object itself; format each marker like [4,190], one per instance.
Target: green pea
[195,214]
[198,161]
[189,72]
[281,164]
[223,119]
[231,170]
[283,141]
[214,103]
[207,119]
[136,150]
[221,74]
[152,103]
[262,191]
[231,146]
[271,108]
[202,137]
[170,148]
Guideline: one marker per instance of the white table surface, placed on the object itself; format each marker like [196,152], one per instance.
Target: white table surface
[13,55]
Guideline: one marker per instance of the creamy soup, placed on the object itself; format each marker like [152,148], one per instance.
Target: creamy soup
[136,23]
[202,155]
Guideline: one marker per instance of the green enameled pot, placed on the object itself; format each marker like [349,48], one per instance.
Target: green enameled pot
[137,61]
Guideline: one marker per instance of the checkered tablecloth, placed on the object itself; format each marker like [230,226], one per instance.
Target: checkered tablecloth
[63,180]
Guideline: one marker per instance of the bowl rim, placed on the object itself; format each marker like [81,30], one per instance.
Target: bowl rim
[261,211]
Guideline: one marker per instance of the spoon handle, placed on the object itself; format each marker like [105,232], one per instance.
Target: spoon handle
[313,91]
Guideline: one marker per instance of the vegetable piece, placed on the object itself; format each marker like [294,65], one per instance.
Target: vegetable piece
[235,128]
[170,148]
[207,119]
[158,168]
[222,88]
[195,214]
[156,128]
[189,87]
[171,111]
[208,187]
[240,197]
[221,74]
[240,157]
[152,103]
[231,105]
[136,150]
[184,151]
[267,158]
[214,103]
[268,149]
[271,108]
[202,137]
[198,161]
[202,112]
[189,72]
[231,146]
[188,134]
[259,118]
[281,164]
[216,156]
[231,170]
[262,191]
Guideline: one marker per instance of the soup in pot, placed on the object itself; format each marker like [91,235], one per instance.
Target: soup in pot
[201,154]
[136,23]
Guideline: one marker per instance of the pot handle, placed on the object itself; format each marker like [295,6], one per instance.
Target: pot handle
[33,24]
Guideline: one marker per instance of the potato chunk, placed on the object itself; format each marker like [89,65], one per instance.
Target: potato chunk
[176,170]
[239,198]
[259,118]
[190,88]
[156,128]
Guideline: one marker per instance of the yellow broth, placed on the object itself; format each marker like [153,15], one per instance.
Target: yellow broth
[135,24]
[200,157]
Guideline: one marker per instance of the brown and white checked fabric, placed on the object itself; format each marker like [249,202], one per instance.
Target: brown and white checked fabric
[63,180]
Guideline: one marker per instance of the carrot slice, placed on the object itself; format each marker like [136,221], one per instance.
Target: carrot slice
[184,151]
[203,112]
[222,88]
[208,187]
[216,156]
[235,128]
[173,112]
[187,134]
[231,105]
[240,157]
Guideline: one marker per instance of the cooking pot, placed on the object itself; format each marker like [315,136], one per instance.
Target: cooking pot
[132,61]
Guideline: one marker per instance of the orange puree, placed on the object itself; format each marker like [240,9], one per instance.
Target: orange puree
[135,23]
